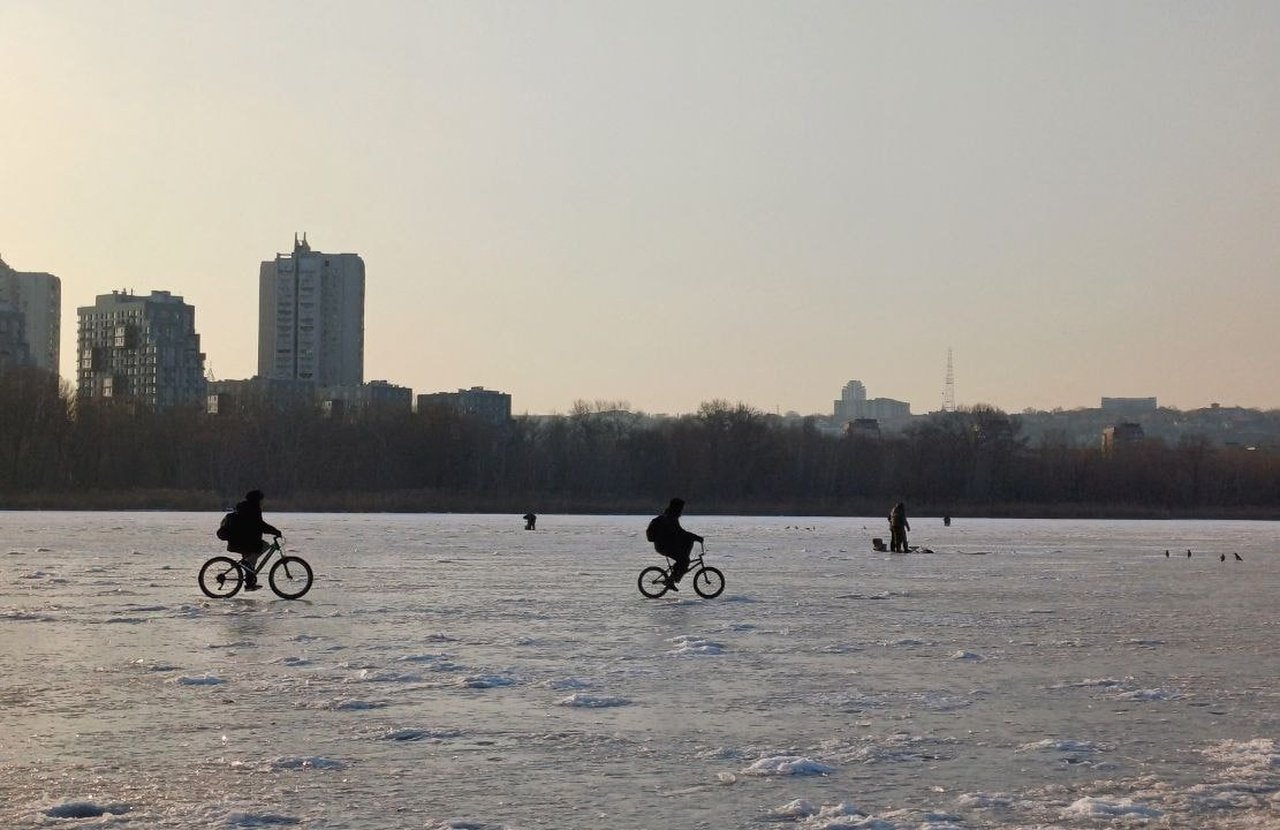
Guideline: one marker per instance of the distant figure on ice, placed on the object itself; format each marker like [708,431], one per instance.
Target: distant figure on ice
[1166,554]
[1188,553]
[946,521]
[1222,557]
[1238,557]
[529,521]
[671,540]
[245,535]
[898,527]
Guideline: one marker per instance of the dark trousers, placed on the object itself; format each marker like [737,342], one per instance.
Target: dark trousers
[898,539]
[679,556]
[251,559]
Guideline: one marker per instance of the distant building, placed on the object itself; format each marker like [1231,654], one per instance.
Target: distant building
[853,404]
[13,338]
[311,317]
[477,402]
[1121,435]
[140,350]
[227,396]
[37,299]
[1129,406]
[376,395]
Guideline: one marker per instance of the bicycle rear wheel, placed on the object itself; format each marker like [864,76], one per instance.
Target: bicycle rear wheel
[708,582]
[653,582]
[220,577]
[290,578]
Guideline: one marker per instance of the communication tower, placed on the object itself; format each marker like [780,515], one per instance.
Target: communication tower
[949,389]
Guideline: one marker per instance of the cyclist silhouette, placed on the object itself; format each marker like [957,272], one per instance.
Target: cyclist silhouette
[671,540]
[246,538]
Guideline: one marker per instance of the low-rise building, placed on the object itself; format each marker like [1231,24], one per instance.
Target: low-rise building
[477,402]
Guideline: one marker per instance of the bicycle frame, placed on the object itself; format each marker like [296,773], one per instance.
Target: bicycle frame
[694,561]
[264,557]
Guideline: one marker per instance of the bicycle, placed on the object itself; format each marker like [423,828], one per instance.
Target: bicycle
[708,582]
[290,577]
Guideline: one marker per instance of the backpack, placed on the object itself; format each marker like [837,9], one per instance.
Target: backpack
[228,528]
[652,532]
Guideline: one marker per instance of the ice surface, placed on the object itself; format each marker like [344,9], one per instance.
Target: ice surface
[459,672]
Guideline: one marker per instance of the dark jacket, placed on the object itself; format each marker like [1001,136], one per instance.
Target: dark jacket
[669,538]
[249,528]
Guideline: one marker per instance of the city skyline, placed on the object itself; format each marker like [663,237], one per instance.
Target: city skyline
[669,204]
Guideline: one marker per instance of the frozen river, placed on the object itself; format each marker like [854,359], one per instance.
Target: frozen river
[460,672]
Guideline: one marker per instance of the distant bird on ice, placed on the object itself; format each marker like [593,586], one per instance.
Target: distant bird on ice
[1222,557]
[1166,554]
[1188,553]
[1238,557]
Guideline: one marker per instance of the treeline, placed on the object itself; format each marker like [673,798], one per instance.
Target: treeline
[725,458]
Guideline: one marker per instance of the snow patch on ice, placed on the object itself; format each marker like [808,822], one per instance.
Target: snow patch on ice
[1065,746]
[685,645]
[966,655]
[440,661]
[1089,807]
[985,801]
[1100,683]
[586,701]
[1259,754]
[313,762]
[375,676]
[485,681]
[787,765]
[429,735]
[345,704]
[1150,694]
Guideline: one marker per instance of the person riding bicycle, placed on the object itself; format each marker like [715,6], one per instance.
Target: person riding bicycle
[246,536]
[672,541]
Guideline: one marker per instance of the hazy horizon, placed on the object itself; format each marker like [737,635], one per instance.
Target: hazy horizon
[667,203]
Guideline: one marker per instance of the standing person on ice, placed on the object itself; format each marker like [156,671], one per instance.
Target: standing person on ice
[245,538]
[898,528]
[671,540]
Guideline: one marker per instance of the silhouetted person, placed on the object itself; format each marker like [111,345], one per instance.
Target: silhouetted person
[246,539]
[1166,554]
[529,521]
[1188,553]
[946,521]
[1238,557]
[671,540]
[898,527]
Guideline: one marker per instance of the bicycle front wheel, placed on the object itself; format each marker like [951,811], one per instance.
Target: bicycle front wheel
[221,577]
[653,582]
[290,578]
[708,582]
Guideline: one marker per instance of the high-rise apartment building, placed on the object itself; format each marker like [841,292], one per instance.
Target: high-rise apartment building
[140,350]
[311,317]
[31,304]
[854,405]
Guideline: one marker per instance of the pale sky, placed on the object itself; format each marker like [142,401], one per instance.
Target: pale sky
[669,202]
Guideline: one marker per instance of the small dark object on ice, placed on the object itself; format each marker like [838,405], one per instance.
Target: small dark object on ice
[1238,557]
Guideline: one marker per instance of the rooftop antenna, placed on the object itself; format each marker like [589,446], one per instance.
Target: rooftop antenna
[949,389]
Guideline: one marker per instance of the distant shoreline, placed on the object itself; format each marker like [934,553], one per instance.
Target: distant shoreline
[442,502]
